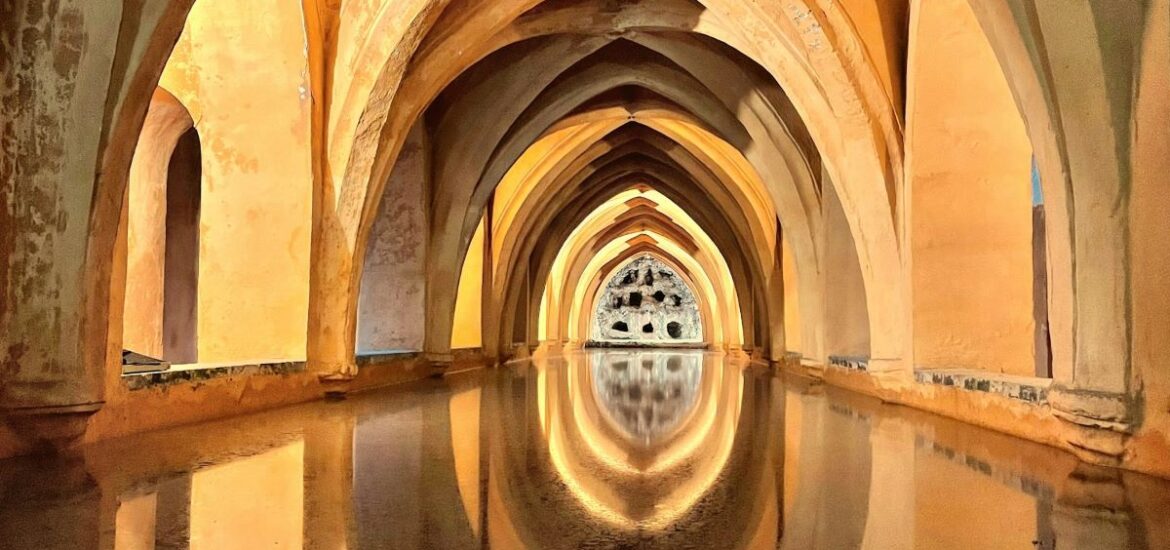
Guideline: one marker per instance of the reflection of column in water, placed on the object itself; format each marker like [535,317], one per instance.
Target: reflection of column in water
[329,476]
[158,516]
[776,419]
[891,512]
[647,395]
[48,506]
[172,520]
[1092,511]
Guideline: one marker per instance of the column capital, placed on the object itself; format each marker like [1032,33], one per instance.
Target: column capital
[51,428]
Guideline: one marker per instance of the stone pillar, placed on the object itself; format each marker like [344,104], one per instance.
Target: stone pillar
[332,333]
[57,62]
[1093,50]
[489,340]
[333,297]
[778,345]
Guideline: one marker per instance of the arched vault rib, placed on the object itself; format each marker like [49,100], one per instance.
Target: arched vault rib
[616,222]
[446,238]
[748,274]
[585,157]
[584,292]
[661,75]
[848,113]
[675,186]
[689,199]
[542,208]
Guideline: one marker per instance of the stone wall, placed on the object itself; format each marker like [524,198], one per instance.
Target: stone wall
[647,301]
[392,299]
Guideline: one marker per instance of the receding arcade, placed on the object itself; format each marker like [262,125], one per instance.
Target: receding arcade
[374,190]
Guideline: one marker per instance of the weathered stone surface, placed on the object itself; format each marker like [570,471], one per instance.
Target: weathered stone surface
[646,301]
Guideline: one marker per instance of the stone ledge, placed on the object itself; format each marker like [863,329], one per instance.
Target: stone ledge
[1091,408]
[188,374]
[1022,388]
[664,345]
[384,356]
[851,363]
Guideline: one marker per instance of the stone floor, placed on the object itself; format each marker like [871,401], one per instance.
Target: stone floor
[604,449]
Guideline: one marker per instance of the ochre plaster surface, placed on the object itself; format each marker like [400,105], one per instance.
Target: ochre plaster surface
[241,70]
[466,332]
[846,313]
[970,221]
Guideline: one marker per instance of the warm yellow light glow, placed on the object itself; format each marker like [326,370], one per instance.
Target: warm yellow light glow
[717,290]
[465,424]
[703,447]
[220,519]
[466,332]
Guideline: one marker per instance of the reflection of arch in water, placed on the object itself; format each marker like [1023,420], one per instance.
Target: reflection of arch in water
[718,393]
[590,461]
[646,397]
[726,474]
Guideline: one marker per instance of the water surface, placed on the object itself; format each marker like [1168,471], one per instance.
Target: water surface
[606,449]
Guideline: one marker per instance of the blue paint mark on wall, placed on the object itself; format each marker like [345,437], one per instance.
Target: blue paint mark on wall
[1037,192]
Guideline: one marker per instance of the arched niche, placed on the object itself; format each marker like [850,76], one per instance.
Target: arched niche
[163,200]
[646,303]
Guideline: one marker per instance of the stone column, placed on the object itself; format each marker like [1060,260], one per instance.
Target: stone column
[778,345]
[1092,52]
[57,61]
[331,343]
[489,341]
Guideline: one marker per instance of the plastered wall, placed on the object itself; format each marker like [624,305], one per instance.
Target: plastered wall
[792,328]
[391,306]
[846,310]
[970,199]
[1151,253]
[241,70]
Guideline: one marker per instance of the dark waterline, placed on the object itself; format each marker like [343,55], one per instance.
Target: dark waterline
[605,449]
